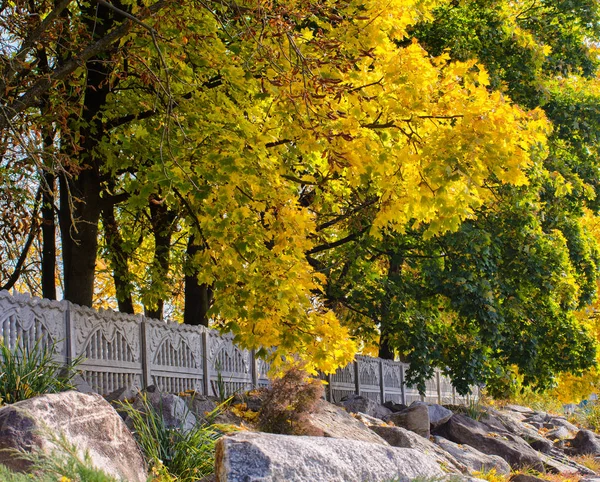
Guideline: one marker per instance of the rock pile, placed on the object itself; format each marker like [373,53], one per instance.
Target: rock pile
[362,439]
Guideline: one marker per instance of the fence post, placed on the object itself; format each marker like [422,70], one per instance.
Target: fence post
[402,384]
[356,376]
[439,386]
[254,369]
[381,381]
[205,364]
[71,347]
[144,345]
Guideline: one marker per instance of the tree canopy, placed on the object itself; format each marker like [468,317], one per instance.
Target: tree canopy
[313,176]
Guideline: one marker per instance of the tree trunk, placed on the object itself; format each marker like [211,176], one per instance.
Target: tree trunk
[198,297]
[80,213]
[48,238]
[386,349]
[118,260]
[162,220]
[81,188]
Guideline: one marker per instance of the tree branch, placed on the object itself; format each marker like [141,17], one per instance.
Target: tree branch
[23,256]
[339,242]
[32,96]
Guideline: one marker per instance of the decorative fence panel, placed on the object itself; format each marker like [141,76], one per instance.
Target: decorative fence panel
[121,350]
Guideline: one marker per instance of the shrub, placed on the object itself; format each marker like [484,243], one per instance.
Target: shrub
[27,372]
[174,454]
[287,403]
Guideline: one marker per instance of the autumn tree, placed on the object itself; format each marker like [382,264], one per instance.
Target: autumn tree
[270,135]
[500,293]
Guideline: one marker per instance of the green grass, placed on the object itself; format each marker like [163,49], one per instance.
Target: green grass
[63,465]
[26,372]
[172,453]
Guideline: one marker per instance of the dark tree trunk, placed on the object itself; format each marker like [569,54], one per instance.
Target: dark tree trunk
[386,348]
[81,187]
[118,260]
[162,220]
[198,297]
[48,238]
[79,216]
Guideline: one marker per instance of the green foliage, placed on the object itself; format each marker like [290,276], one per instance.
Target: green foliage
[589,416]
[28,371]
[63,464]
[185,456]
[287,402]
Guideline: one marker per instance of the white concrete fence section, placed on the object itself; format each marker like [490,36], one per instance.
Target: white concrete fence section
[121,350]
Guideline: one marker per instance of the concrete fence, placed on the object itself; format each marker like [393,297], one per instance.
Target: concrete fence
[122,350]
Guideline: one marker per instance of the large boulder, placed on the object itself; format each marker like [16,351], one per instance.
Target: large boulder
[473,458]
[505,421]
[358,404]
[464,430]
[414,418]
[400,437]
[584,443]
[438,415]
[335,422]
[85,421]
[263,457]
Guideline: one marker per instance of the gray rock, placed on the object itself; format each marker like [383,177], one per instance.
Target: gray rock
[368,420]
[395,407]
[87,422]
[503,421]
[357,403]
[400,437]
[473,458]
[463,430]
[557,467]
[174,410]
[201,406]
[563,422]
[539,417]
[438,415]
[559,433]
[336,422]
[518,409]
[255,457]
[123,394]
[414,418]
[584,443]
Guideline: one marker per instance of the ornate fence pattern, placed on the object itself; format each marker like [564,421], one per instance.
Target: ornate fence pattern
[130,350]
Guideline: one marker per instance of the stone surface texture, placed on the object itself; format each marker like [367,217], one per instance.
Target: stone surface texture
[473,458]
[464,430]
[86,422]
[336,422]
[414,418]
[357,403]
[585,443]
[438,415]
[260,457]
[400,437]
